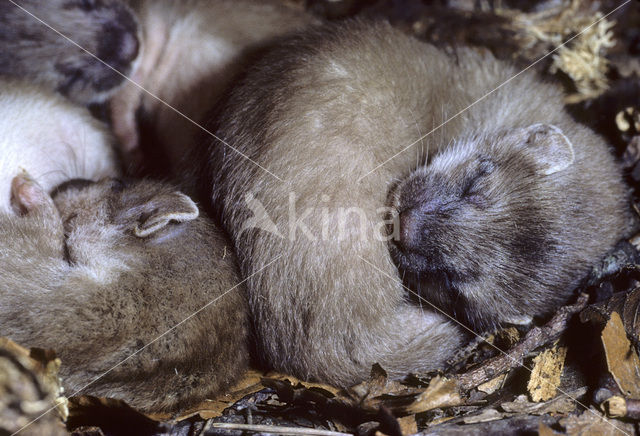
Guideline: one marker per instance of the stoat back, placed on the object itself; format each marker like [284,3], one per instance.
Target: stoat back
[328,124]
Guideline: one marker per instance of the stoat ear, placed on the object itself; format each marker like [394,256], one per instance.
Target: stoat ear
[551,148]
[28,196]
[163,209]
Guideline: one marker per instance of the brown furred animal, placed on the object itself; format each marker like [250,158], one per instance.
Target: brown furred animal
[105,269]
[512,186]
[30,49]
[190,50]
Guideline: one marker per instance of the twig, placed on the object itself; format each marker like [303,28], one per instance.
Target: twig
[620,407]
[536,337]
[276,429]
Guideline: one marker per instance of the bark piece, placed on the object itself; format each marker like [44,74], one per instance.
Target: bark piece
[563,404]
[622,360]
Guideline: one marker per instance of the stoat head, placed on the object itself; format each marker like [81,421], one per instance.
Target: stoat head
[114,216]
[480,225]
[77,47]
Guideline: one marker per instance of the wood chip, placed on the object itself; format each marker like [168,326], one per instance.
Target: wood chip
[616,406]
[545,376]
[622,360]
[485,416]
[510,336]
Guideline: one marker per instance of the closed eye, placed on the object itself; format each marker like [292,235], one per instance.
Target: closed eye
[66,226]
[67,252]
[87,5]
[472,192]
[484,167]
[470,186]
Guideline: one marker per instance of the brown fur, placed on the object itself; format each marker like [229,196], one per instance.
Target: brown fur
[31,50]
[190,50]
[323,110]
[110,268]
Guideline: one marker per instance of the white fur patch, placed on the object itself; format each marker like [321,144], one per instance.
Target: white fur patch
[50,139]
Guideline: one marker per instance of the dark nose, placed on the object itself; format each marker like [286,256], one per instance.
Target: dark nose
[408,234]
[118,46]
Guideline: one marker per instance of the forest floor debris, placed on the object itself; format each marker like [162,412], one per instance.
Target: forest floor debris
[585,377]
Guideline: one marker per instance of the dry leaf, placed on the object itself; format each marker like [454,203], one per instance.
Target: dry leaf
[545,376]
[492,385]
[627,304]
[295,381]
[442,392]
[593,423]
[212,408]
[377,385]
[622,360]
[408,425]
[249,384]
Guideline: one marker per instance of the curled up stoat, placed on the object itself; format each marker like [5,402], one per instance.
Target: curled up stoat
[500,212]
[138,295]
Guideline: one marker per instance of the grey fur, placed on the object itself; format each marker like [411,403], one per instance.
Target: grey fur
[324,109]
[75,278]
[502,226]
[31,50]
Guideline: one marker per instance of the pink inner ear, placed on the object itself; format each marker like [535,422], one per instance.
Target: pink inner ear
[26,195]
